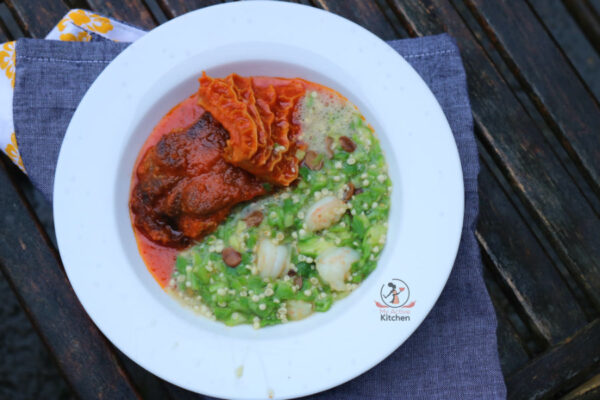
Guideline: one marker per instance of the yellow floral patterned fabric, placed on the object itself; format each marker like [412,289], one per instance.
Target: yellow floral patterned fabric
[12,151]
[82,36]
[7,61]
[77,26]
[86,20]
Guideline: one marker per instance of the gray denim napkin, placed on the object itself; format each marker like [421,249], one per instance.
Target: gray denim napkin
[453,354]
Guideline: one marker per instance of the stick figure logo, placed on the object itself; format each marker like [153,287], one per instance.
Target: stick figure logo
[395,293]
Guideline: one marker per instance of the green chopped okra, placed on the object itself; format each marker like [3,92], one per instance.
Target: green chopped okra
[285,271]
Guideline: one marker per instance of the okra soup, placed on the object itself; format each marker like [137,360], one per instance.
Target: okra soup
[261,200]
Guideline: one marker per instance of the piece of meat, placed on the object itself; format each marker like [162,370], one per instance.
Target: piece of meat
[184,186]
[219,98]
[265,100]
[284,130]
[231,257]
[347,144]
[268,105]
[254,218]
[245,93]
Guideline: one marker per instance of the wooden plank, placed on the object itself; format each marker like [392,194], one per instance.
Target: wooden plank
[150,387]
[393,19]
[582,300]
[572,41]
[365,13]
[512,353]
[552,84]
[511,346]
[552,141]
[35,273]
[587,18]
[590,390]
[371,15]
[9,27]
[38,18]
[133,12]
[529,341]
[530,108]
[519,147]
[157,12]
[595,8]
[174,8]
[522,265]
[3,37]
[563,364]
[182,394]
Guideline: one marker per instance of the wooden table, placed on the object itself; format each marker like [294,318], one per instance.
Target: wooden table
[534,79]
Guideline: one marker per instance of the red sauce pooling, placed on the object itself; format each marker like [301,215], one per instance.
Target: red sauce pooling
[160,260]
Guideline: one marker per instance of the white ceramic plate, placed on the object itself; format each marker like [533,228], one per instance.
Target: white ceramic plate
[155,73]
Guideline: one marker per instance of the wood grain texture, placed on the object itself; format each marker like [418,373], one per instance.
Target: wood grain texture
[528,220]
[523,267]
[131,11]
[34,271]
[38,18]
[174,8]
[3,36]
[553,144]
[568,35]
[9,28]
[149,386]
[575,173]
[594,6]
[511,345]
[513,355]
[563,364]
[587,17]
[519,147]
[368,14]
[156,11]
[590,390]
[178,393]
[548,77]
